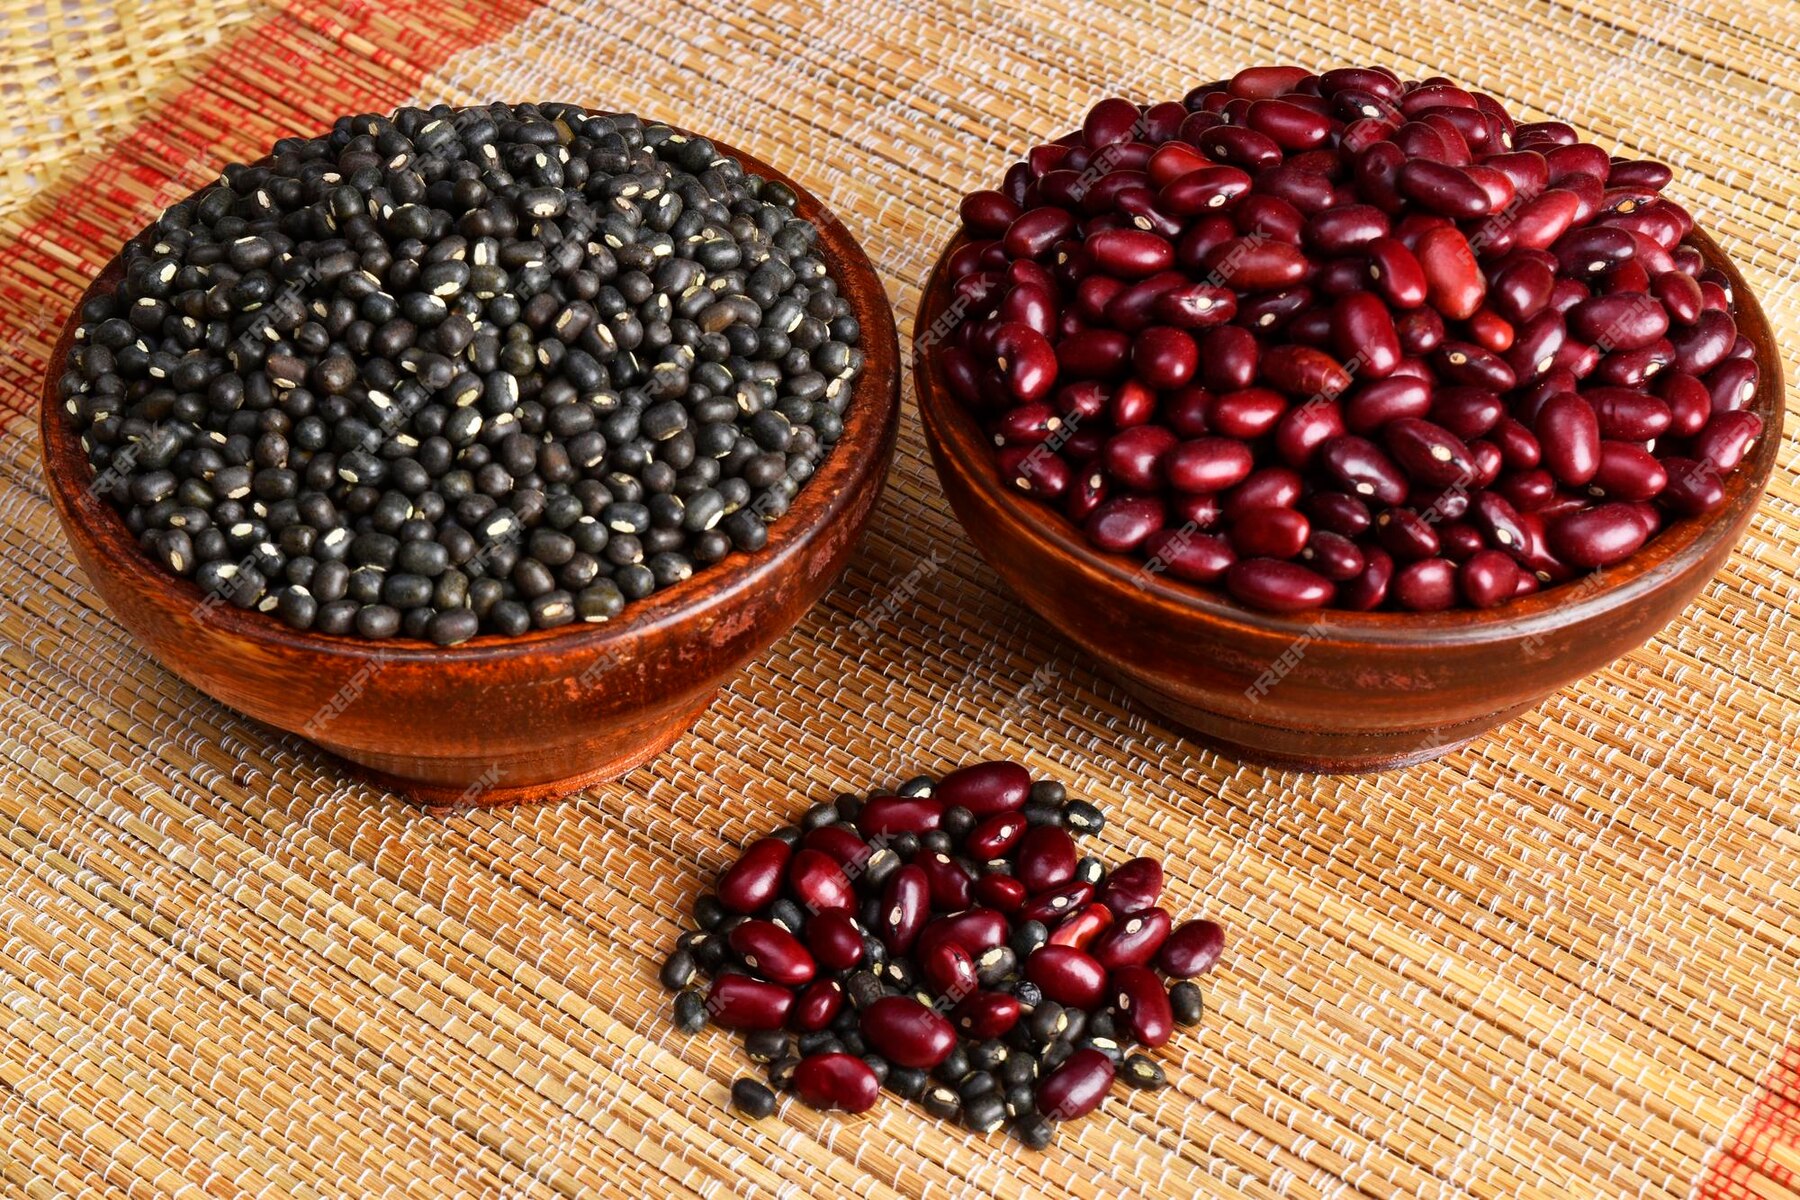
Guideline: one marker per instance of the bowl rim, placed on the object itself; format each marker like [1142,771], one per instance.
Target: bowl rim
[955,435]
[870,425]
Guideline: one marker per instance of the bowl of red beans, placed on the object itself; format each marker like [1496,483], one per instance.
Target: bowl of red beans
[1341,417]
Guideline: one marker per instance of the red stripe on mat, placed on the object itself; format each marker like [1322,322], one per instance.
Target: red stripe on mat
[267,80]
[1762,1159]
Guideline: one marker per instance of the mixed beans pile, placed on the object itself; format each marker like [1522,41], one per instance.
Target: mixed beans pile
[1342,340]
[949,942]
[459,371]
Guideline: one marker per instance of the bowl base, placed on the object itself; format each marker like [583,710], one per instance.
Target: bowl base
[503,780]
[1316,751]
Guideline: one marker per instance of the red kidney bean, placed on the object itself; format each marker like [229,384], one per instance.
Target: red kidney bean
[1135,456]
[1077,1087]
[1705,344]
[1141,1001]
[1122,523]
[1679,295]
[740,1002]
[1731,386]
[1443,189]
[1473,366]
[976,930]
[1264,83]
[1132,940]
[1428,452]
[1266,216]
[1726,439]
[1288,125]
[987,214]
[1628,472]
[889,815]
[1228,358]
[1622,321]
[1428,585]
[1067,975]
[1130,253]
[1375,404]
[1270,533]
[1196,305]
[1207,464]
[1082,929]
[1363,469]
[1694,487]
[1569,433]
[1338,512]
[834,939]
[1207,188]
[755,879]
[1110,121]
[1195,557]
[839,841]
[772,952]
[1468,412]
[905,907]
[836,1080]
[1363,333]
[817,1005]
[1488,578]
[1270,312]
[1420,331]
[986,1015]
[1306,427]
[1596,537]
[1454,284]
[1396,272]
[949,969]
[1001,892]
[1406,535]
[1265,487]
[1277,586]
[1164,357]
[1253,264]
[1034,233]
[1518,445]
[1303,371]
[1345,228]
[1172,160]
[1192,949]
[1332,555]
[1368,589]
[951,886]
[1058,902]
[1689,402]
[995,836]
[1093,353]
[1046,858]
[1460,541]
[1245,413]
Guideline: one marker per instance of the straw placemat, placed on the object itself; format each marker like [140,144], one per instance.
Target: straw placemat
[1563,962]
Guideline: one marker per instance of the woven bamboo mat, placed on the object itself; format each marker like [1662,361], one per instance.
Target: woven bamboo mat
[1564,962]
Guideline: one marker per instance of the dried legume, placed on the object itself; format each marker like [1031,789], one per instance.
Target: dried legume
[1350,306]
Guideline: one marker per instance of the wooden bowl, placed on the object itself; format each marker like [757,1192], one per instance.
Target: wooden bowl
[497,720]
[1329,690]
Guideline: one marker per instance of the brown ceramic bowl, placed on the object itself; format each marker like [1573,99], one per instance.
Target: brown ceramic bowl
[1330,690]
[496,719]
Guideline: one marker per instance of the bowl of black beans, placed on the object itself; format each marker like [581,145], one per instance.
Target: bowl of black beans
[478,445]
[1342,417]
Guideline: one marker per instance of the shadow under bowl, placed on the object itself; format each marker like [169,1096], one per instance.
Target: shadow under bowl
[498,720]
[1329,690]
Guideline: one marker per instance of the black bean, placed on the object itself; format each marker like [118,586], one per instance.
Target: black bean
[752,1099]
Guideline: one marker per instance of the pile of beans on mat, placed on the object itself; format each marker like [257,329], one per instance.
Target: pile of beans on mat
[457,371]
[1340,340]
[949,942]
